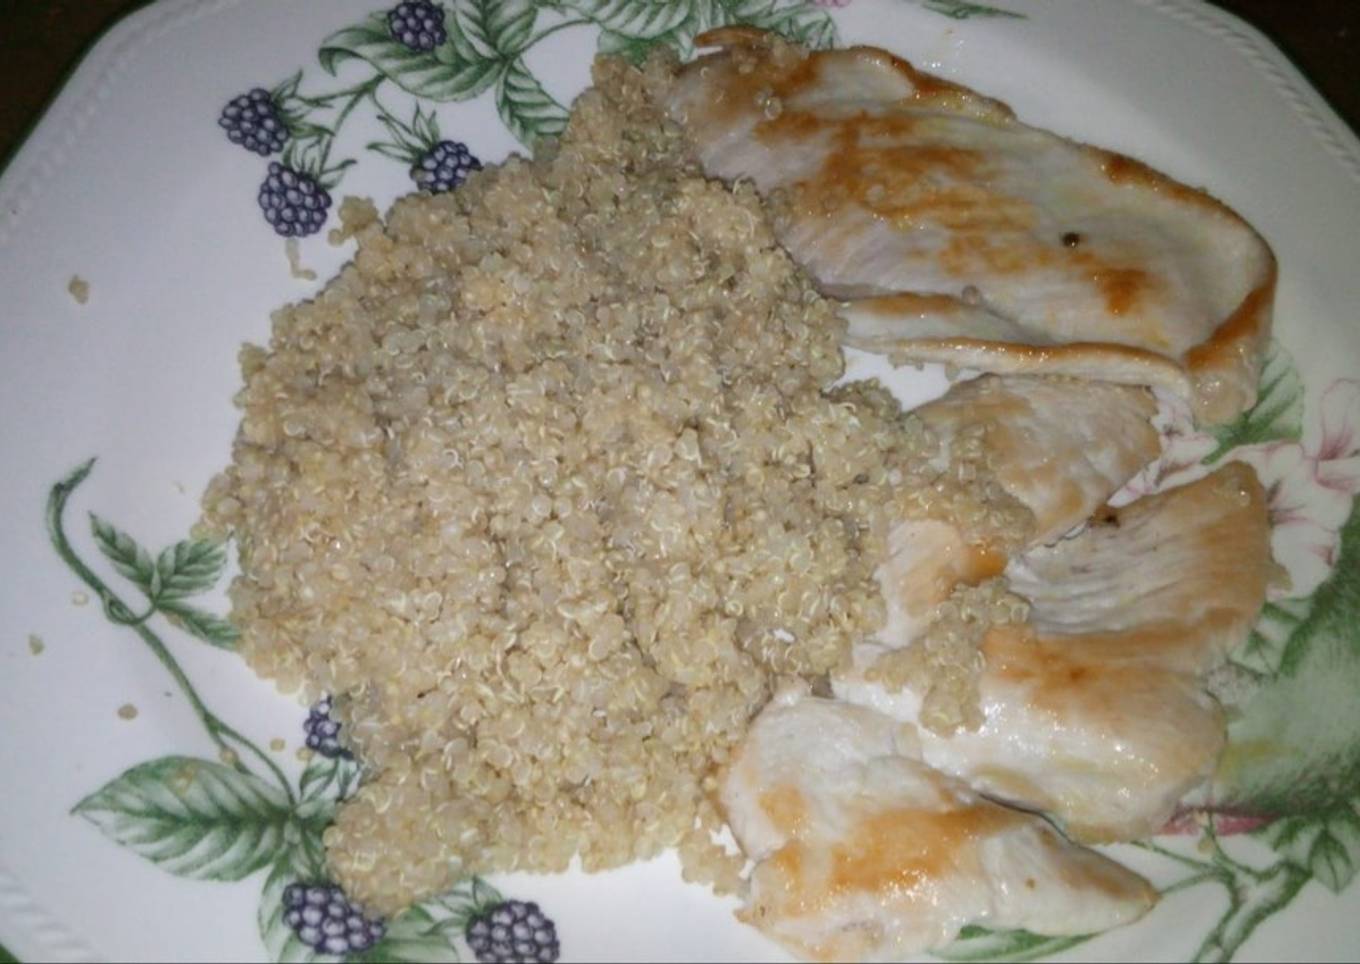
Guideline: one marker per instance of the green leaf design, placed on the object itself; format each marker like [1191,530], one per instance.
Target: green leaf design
[806,23]
[982,944]
[1326,845]
[1295,748]
[487,39]
[128,557]
[425,126]
[527,109]
[194,818]
[416,935]
[297,862]
[483,895]
[470,897]
[391,152]
[1331,863]
[795,19]
[457,71]
[185,569]
[635,50]
[206,626]
[328,778]
[1278,412]
[1335,615]
[1291,837]
[470,30]
[1264,648]
[510,24]
[634,19]
[428,931]
[307,130]
[287,89]
[962,10]
[491,29]
[409,141]
[189,567]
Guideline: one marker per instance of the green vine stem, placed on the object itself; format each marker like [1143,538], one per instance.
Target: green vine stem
[305,130]
[391,121]
[309,134]
[1253,895]
[962,10]
[1269,891]
[355,94]
[120,613]
[124,617]
[366,89]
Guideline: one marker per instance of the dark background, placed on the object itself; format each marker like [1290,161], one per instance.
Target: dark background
[40,40]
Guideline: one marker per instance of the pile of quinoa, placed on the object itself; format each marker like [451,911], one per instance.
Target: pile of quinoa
[549,490]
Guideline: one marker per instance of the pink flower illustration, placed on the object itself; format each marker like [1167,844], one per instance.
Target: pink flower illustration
[1311,486]
[1339,448]
[1184,449]
[1312,489]
[1193,820]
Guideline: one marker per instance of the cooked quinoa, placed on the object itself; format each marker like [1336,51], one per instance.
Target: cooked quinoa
[548,488]
[944,664]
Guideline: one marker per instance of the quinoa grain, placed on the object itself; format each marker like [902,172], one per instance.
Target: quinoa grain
[548,489]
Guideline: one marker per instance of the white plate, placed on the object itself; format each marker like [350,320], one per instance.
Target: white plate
[130,183]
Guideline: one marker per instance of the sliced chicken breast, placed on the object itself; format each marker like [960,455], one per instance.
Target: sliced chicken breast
[1094,710]
[862,852]
[1176,578]
[1058,446]
[1016,250]
[1061,446]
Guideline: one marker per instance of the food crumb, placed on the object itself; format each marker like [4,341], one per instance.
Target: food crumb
[127,711]
[229,757]
[35,644]
[79,598]
[179,487]
[356,213]
[295,268]
[277,744]
[79,289]
[183,778]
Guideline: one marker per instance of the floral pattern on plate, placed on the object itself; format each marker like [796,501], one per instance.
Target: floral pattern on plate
[231,818]
[461,51]
[1290,779]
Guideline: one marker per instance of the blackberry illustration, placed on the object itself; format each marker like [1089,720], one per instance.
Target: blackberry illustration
[512,931]
[252,120]
[418,24]
[324,919]
[293,202]
[323,730]
[444,167]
